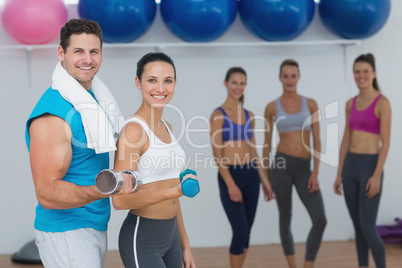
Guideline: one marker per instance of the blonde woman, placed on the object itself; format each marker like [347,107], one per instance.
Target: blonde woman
[293,113]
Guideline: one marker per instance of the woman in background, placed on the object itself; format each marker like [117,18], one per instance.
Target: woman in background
[240,174]
[363,151]
[296,119]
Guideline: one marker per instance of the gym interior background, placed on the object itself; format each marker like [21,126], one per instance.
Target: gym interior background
[326,75]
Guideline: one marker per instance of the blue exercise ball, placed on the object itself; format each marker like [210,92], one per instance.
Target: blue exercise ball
[122,21]
[276,20]
[354,19]
[198,20]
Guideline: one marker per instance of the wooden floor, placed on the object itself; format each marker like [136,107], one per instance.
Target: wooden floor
[332,255]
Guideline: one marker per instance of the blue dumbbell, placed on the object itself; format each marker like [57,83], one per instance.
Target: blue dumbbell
[189,186]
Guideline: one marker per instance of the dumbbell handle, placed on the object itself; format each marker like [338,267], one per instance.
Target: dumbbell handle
[110,182]
[137,180]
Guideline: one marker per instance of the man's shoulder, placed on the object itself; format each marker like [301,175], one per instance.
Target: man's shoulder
[53,103]
[53,98]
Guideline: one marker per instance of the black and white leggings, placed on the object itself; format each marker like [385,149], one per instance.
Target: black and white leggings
[145,243]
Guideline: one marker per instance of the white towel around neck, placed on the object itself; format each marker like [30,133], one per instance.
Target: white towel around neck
[100,119]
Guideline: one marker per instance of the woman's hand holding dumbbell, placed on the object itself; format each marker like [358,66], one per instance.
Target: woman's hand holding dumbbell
[189,185]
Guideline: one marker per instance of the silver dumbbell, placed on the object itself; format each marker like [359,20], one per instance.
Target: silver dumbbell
[110,182]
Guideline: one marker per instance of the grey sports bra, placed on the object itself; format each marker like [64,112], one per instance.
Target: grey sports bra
[296,121]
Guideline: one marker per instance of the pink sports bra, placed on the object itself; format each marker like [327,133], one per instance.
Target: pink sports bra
[364,120]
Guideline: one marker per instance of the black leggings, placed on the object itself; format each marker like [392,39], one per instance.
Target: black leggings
[357,169]
[146,243]
[241,215]
[296,171]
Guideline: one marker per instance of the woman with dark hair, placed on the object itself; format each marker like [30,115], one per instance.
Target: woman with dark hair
[153,234]
[363,151]
[240,174]
[296,119]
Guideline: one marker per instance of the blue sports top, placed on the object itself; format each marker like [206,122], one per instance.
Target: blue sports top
[235,132]
[85,164]
[295,121]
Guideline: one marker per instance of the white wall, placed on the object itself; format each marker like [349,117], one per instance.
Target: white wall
[199,91]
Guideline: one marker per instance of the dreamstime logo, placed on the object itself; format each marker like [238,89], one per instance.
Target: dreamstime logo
[190,130]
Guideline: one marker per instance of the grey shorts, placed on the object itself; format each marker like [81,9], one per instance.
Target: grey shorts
[81,248]
[146,243]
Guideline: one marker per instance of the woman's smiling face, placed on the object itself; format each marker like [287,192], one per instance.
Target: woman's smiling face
[157,83]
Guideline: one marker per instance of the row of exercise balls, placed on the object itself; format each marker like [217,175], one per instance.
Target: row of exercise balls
[124,21]
[199,20]
[39,21]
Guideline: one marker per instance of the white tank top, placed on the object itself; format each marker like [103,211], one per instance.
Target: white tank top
[161,161]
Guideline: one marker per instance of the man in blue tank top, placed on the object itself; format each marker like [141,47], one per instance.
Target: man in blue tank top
[72,215]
